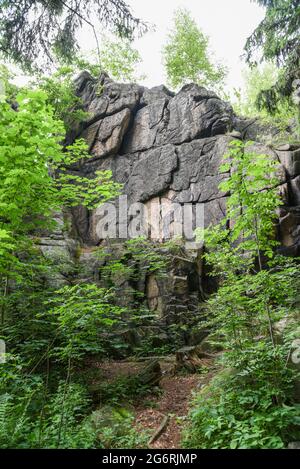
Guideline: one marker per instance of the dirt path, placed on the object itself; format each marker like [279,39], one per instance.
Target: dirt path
[173,401]
[176,393]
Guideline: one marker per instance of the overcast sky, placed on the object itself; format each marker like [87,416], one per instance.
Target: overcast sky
[228,23]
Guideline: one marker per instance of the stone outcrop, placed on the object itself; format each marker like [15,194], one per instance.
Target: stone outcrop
[168,147]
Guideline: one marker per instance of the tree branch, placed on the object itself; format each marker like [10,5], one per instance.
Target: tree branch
[87,22]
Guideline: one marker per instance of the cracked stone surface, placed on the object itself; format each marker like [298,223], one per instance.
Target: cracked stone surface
[168,147]
[165,149]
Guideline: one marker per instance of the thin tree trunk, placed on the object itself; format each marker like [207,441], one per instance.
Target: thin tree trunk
[5,291]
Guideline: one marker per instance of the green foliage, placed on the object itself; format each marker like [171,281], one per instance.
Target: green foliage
[247,306]
[29,139]
[46,332]
[81,313]
[253,197]
[118,58]
[244,300]
[60,91]
[15,408]
[122,390]
[48,409]
[237,411]
[149,347]
[64,424]
[43,406]
[33,32]
[122,268]
[31,417]
[186,55]
[7,89]
[252,405]
[24,291]
[277,38]
[256,80]
[114,428]
[250,181]
[147,255]
[138,257]
[34,177]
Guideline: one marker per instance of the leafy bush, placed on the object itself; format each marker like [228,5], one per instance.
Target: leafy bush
[81,313]
[32,415]
[124,389]
[187,57]
[117,57]
[41,405]
[114,428]
[61,95]
[249,406]
[252,406]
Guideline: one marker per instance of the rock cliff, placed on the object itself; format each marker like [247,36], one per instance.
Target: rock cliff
[167,148]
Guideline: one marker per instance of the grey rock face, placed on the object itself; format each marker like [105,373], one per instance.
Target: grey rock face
[148,128]
[197,113]
[192,113]
[151,174]
[59,248]
[253,129]
[153,94]
[111,131]
[104,97]
[197,177]
[294,445]
[289,157]
[168,147]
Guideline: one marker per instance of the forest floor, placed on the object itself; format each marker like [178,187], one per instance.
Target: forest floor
[173,401]
[170,405]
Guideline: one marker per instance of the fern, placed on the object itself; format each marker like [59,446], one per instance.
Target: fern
[6,418]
